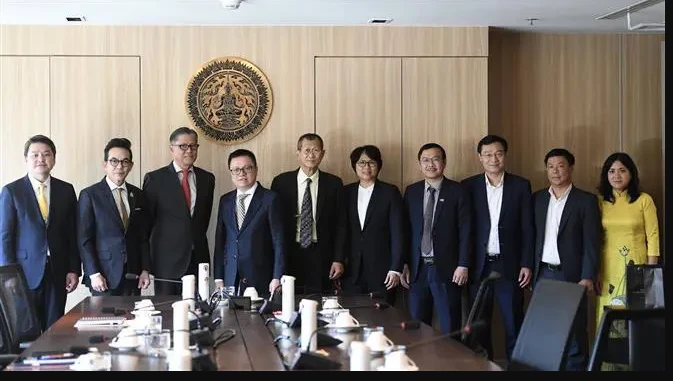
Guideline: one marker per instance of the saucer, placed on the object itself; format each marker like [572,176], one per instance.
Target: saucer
[122,347]
[409,369]
[379,350]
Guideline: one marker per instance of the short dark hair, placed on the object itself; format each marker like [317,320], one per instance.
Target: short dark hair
[242,152]
[370,150]
[39,139]
[117,143]
[560,152]
[428,146]
[309,136]
[633,189]
[490,139]
[182,131]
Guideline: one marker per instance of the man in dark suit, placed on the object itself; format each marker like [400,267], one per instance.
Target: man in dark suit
[568,241]
[38,230]
[250,241]
[314,220]
[112,227]
[376,228]
[502,211]
[180,201]
[439,255]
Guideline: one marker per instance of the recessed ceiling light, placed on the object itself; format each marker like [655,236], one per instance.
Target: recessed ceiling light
[75,18]
[380,21]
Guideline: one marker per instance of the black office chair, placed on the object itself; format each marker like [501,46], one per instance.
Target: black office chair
[543,339]
[17,305]
[472,338]
[646,339]
[9,349]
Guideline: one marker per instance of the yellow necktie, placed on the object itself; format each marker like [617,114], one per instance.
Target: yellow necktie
[42,202]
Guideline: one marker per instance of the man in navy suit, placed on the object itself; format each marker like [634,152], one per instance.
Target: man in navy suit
[568,241]
[38,230]
[249,240]
[503,234]
[112,227]
[439,255]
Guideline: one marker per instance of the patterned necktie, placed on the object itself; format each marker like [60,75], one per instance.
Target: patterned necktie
[426,240]
[185,188]
[240,210]
[42,202]
[306,218]
[122,208]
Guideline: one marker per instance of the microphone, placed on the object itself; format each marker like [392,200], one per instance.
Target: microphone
[475,312]
[269,305]
[467,329]
[131,276]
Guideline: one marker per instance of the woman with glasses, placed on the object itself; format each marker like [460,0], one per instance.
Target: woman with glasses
[375,226]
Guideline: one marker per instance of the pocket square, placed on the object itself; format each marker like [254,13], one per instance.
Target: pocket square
[441,200]
[137,209]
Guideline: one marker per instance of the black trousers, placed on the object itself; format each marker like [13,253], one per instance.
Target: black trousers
[310,269]
[49,297]
[170,288]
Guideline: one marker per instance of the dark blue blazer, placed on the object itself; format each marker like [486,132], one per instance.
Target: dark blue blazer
[256,251]
[102,240]
[382,241]
[516,231]
[450,231]
[579,236]
[25,236]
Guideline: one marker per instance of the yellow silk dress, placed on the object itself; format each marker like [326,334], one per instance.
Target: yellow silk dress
[630,232]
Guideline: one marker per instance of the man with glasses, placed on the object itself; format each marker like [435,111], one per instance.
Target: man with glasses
[502,207]
[180,200]
[38,215]
[314,219]
[439,216]
[112,227]
[249,238]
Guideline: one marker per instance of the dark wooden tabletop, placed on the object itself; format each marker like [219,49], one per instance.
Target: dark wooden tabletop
[252,347]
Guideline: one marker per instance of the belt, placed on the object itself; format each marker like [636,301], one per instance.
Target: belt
[494,257]
[429,260]
[549,266]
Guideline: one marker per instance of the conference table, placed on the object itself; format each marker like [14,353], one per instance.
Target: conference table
[252,347]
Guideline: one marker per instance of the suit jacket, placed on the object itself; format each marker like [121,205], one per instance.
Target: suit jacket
[516,231]
[174,234]
[26,237]
[450,231]
[103,241]
[579,235]
[256,251]
[382,241]
[330,214]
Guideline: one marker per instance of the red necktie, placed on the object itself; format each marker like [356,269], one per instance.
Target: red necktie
[185,188]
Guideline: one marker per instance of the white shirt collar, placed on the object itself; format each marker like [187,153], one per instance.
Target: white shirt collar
[500,183]
[250,191]
[563,196]
[178,169]
[301,176]
[439,184]
[114,186]
[36,184]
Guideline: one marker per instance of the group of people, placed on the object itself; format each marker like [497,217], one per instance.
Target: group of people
[436,239]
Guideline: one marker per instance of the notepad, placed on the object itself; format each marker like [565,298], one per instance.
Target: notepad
[100,321]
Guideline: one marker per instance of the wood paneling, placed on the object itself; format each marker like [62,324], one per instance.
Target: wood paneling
[93,99]
[24,110]
[444,100]
[358,101]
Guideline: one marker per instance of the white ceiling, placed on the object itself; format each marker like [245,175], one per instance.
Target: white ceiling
[553,15]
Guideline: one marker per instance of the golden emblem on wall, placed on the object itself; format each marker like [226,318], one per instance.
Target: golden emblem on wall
[229,99]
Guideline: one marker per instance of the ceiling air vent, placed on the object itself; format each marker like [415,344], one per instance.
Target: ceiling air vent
[75,18]
[379,21]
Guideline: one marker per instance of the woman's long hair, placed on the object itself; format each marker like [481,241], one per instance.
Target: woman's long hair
[633,188]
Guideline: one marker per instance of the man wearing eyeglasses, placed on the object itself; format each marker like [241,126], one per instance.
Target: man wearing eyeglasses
[112,227]
[314,219]
[502,206]
[180,200]
[249,238]
[439,216]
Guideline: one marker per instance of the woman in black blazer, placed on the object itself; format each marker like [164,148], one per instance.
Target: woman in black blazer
[376,233]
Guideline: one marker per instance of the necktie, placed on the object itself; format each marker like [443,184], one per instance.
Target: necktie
[122,208]
[42,202]
[185,188]
[426,240]
[306,218]
[240,210]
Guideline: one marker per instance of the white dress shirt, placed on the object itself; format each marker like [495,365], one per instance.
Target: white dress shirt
[301,188]
[550,252]
[494,197]
[47,195]
[191,179]
[364,196]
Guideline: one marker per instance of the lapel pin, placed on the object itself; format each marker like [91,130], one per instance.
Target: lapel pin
[441,200]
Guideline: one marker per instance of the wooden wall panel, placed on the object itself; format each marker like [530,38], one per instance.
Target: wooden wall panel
[444,100]
[24,110]
[358,101]
[93,99]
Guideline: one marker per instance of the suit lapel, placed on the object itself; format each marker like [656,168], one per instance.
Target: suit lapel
[33,197]
[373,202]
[543,209]
[567,210]
[353,202]
[506,198]
[255,203]
[105,190]
[484,210]
[322,189]
[178,187]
